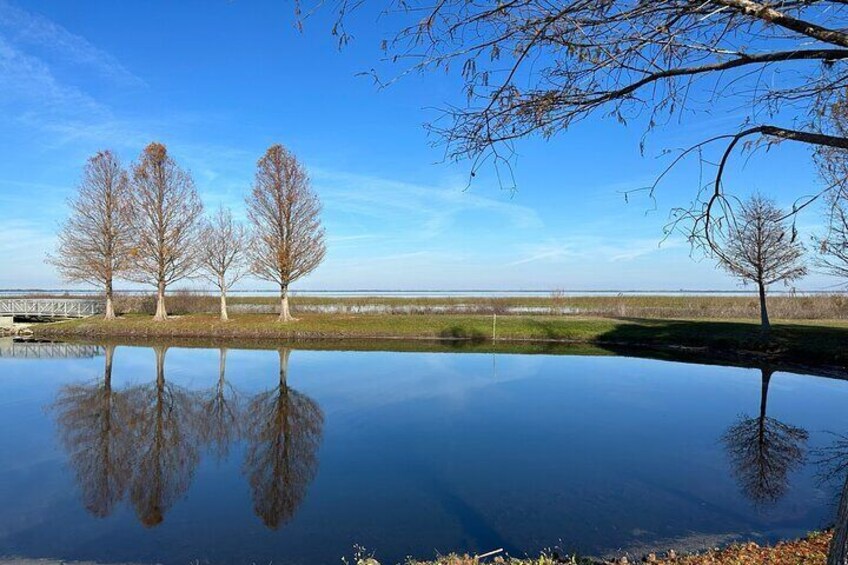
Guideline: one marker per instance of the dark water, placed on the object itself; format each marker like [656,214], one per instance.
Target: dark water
[178,457]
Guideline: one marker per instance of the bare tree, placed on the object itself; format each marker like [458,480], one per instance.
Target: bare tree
[833,245]
[95,241]
[532,67]
[761,249]
[223,243]
[288,240]
[167,212]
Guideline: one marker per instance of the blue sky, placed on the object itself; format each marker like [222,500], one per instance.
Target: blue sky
[220,80]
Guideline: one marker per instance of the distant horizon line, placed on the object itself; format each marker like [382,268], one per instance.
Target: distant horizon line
[837,290]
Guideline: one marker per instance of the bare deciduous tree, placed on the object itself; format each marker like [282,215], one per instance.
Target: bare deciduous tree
[536,67]
[760,249]
[167,212]
[223,243]
[288,240]
[833,246]
[95,241]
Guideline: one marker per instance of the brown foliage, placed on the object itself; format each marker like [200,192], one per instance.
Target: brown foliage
[288,240]
[166,211]
[95,241]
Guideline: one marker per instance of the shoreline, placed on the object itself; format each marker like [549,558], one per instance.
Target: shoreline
[809,550]
[815,344]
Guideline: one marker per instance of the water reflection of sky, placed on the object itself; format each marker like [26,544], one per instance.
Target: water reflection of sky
[425,452]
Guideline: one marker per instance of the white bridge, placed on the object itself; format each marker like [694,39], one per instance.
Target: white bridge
[50,307]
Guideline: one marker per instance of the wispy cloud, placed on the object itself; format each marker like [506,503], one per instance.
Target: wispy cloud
[31,29]
[28,81]
[591,249]
[428,211]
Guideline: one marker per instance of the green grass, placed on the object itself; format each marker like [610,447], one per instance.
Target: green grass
[819,342]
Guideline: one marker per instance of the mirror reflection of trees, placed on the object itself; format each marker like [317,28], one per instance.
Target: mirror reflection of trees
[166,444]
[283,431]
[94,427]
[763,451]
[220,410]
[143,443]
[832,460]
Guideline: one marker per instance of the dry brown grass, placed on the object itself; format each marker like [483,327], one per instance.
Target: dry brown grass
[811,550]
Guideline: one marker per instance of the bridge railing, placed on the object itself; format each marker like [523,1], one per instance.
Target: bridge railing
[40,350]
[50,307]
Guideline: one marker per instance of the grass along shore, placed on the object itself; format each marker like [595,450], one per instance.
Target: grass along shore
[811,550]
[821,342]
[691,307]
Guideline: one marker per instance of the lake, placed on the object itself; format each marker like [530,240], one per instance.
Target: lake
[175,455]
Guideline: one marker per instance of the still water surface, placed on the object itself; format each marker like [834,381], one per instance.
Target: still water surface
[173,455]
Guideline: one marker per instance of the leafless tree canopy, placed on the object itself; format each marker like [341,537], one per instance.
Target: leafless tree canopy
[833,164]
[531,66]
[833,245]
[167,212]
[95,242]
[761,249]
[288,240]
[223,243]
[535,67]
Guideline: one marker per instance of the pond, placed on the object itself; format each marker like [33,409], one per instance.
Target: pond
[176,455]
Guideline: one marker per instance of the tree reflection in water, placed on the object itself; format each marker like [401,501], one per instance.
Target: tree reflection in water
[94,425]
[283,430]
[145,442]
[220,422]
[832,460]
[763,451]
[166,444]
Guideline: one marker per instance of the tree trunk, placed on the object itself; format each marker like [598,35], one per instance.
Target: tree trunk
[764,318]
[161,313]
[838,554]
[224,316]
[110,310]
[285,314]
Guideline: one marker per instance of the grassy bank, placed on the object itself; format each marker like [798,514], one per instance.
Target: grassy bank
[703,307]
[820,342]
